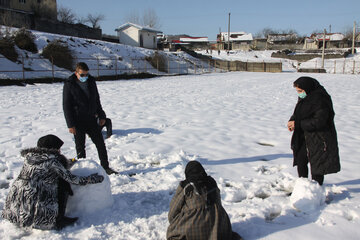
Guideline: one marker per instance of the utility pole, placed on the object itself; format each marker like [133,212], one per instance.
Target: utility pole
[229,34]
[353,39]
[220,39]
[323,50]
[330,28]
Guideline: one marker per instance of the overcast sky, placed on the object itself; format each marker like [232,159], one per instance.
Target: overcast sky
[207,17]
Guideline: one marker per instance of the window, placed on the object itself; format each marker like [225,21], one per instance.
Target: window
[22,1]
[39,1]
[5,3]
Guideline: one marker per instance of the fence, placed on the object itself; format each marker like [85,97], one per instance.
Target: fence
[37,68]
[338,66]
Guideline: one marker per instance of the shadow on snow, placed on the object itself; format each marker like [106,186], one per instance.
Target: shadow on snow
[246,159]
[136,130]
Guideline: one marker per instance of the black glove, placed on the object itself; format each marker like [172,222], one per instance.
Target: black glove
[95,178]
[92,179]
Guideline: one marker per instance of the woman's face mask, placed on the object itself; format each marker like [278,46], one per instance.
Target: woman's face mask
[301,93]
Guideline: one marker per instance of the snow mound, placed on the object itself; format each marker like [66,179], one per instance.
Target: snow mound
[90,198]
[307,195]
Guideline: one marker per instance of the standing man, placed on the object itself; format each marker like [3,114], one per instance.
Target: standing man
[81,104]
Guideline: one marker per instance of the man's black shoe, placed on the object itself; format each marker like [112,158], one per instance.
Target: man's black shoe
[110,171]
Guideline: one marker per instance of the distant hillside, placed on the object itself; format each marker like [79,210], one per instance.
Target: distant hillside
[103,58]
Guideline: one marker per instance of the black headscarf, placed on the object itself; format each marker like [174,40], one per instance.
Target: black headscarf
[307,83]
[50,142]
[195,173]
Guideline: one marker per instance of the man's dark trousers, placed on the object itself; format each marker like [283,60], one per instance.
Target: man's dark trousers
[91,128]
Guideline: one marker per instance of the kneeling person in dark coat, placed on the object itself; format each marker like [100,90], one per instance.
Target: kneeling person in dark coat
[195,211]
[38,196]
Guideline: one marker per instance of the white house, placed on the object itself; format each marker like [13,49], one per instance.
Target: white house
[138,36]
[238,40]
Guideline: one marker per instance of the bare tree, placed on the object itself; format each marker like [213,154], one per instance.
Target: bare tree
[316,31]
[348,32]
[82,20]
[149,18]
[267,31]
[66,15]
[95,19]
[133,17]
[289,31]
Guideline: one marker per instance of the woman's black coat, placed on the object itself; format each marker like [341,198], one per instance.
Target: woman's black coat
[77,106]
[314,126]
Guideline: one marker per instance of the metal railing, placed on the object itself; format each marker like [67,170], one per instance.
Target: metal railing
[335,66]
[114,68]
[100,67]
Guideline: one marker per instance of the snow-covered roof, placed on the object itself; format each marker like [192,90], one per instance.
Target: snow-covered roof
[194,39]
[236,36]
[281,37]
[328,36]
[128,24]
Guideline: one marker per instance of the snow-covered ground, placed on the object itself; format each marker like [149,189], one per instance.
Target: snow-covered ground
[233,123]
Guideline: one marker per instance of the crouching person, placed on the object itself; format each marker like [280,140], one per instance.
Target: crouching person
[195,211]
[38,196]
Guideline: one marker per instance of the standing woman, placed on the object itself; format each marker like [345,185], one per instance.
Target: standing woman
[314,139]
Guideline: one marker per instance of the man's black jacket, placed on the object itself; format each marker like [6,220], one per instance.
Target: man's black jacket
[77,106]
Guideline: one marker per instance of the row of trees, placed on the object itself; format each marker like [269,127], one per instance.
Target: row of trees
[266,31]
[147,18]
[67,15]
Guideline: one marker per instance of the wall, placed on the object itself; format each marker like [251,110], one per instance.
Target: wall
[129,36]
[241,46]
[21,19]
[76,30]
[306,56]
[44,8]
[148,39]
[16,19]
[249,66]
[284,46]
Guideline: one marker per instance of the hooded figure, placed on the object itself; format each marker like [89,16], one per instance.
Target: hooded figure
[195,211]
[314,139]
[33,197]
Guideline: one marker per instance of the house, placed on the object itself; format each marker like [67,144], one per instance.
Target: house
[237,40]
[282,38]
[41,15]
[194,43]
[138,36]
[12,11]
[332,40]
[176,42]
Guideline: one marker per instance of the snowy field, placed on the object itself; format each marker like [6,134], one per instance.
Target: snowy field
[233,123]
